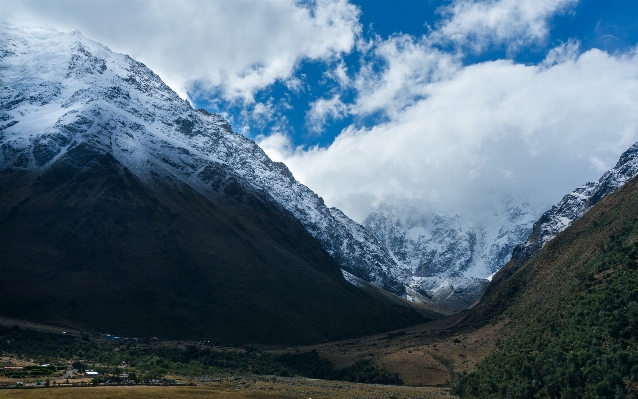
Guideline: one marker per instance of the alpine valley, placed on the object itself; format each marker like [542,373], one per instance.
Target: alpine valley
[125,210]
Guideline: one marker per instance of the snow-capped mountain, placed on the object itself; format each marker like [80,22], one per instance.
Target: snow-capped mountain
[61,89]
[576,204]
[448,258]
[451,260]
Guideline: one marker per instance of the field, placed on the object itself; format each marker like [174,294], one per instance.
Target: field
[432,354]
[239,388]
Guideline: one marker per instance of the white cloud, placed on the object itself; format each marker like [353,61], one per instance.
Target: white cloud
[409,66]
[483,132]
[565,52]
[241,46]
[477,24]
[276,145]
[339,74]
[324,110]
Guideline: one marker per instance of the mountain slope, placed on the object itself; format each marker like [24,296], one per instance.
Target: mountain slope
[574,305]
[57,83]
[124,210]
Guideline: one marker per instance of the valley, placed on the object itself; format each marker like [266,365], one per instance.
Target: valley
[145,241]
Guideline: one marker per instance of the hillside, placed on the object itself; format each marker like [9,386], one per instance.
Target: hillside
[87,245]
[574,307]
[576,294]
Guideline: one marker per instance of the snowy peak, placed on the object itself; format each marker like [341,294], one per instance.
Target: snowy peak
[448,258]
[576,204]
[448,245]
[62,90]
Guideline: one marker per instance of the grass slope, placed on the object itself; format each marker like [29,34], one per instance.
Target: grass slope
[575,310]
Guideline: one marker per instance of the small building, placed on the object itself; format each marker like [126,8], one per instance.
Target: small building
[91,373]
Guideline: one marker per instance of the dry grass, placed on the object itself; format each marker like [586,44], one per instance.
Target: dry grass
[432,354]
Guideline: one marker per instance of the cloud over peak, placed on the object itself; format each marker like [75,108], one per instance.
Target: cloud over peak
[232,47]
[484,131]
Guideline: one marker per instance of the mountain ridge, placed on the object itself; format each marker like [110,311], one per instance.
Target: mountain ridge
[570,208]
[446,259]
[124,207]
[180,146]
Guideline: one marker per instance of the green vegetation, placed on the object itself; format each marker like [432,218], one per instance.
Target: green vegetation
[309,364]
[580,343]
[145,361]
[33,371]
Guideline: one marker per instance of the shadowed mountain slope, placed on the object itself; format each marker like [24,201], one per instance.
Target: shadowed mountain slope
[125,210]
[86,244]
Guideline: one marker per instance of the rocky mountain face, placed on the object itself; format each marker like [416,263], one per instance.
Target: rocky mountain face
[123,206]
[575,204]
[65,89]
[450,261]
[446,260]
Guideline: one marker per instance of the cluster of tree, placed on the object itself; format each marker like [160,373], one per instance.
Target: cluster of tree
[155,361]
[309,364]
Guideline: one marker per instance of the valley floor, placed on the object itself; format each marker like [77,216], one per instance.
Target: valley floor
[434,354]
[239,388]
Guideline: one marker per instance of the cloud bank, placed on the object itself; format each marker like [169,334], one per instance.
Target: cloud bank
[462,137]
[232,47]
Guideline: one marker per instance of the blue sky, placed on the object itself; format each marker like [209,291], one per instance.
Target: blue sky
[454,105]
[611,26]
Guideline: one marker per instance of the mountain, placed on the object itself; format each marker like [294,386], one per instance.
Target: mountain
[451,261]
[165,132]
[572,309]
[125,210]
[573,206]
[445,260]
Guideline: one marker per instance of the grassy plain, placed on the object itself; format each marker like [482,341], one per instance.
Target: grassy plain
[432,354]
